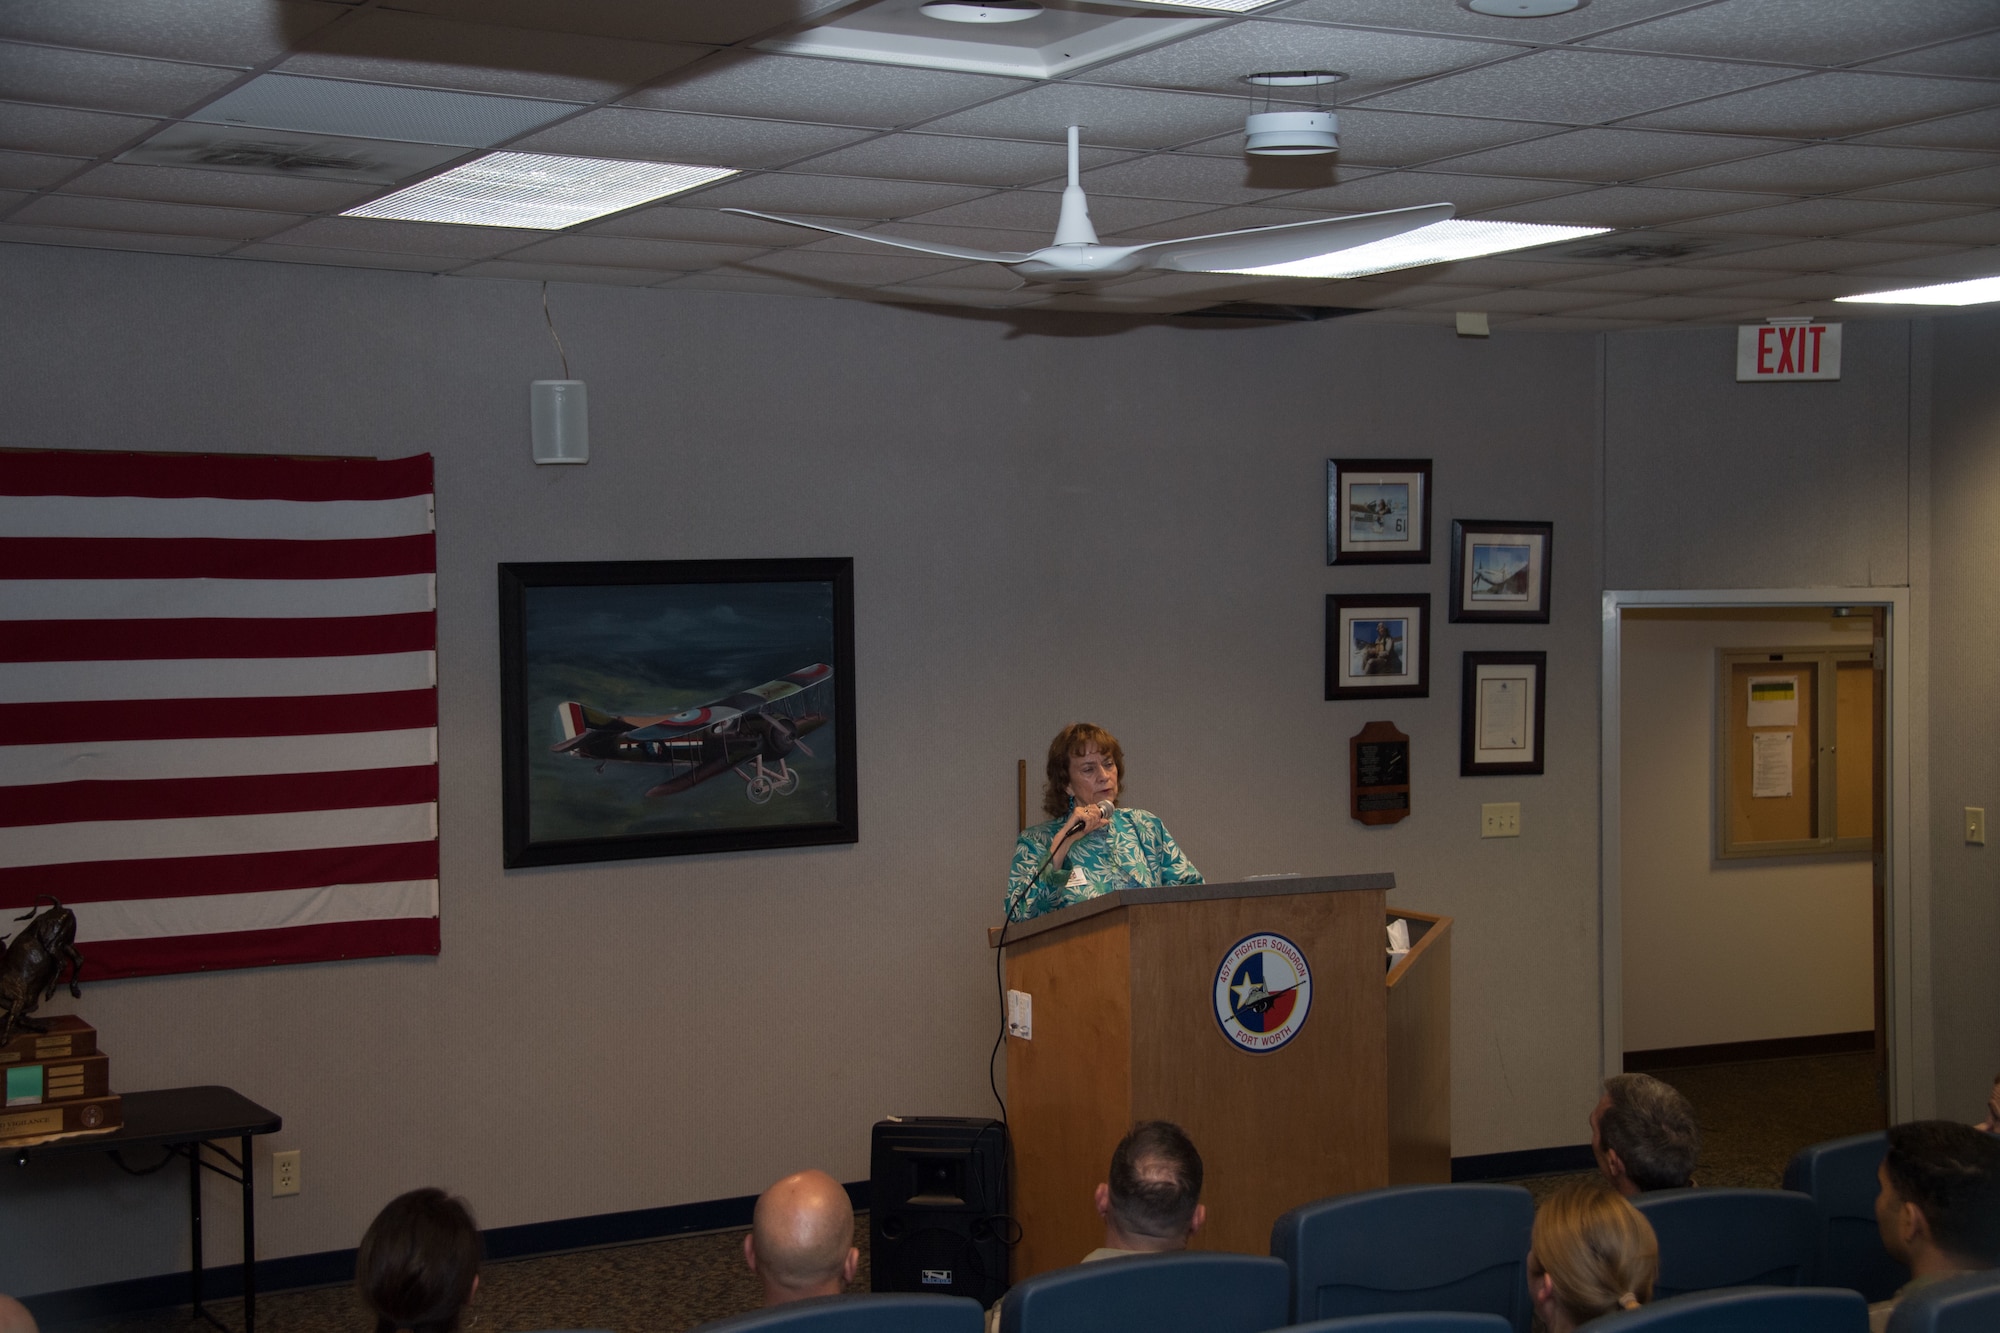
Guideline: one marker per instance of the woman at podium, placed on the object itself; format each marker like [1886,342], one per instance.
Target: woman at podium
[1090,846]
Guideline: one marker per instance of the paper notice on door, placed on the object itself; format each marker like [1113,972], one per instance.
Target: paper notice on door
[1774,701]
[1503,713]
[1771,763]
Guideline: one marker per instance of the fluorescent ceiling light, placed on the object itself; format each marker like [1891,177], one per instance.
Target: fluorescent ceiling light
[1973,291]
[536,190]
[1436,244]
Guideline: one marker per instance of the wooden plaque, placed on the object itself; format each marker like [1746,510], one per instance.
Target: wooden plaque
[26,1126]
[67,1036]
[1378,774]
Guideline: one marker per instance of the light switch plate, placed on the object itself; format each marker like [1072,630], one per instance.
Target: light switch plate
[1021,1015]
[1500,819]
[1975,825]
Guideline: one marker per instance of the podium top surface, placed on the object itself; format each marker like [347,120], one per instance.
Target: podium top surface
[1017,931]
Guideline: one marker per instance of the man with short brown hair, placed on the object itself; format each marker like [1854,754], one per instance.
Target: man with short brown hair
[1644,1135]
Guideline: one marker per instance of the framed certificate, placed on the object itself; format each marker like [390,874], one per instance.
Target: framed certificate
[1500,713]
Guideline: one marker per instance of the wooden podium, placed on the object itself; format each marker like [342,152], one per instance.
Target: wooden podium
[1134,999]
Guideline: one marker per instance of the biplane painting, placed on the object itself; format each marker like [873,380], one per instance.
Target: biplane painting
[1500,572]
[1378,511]
[680,707]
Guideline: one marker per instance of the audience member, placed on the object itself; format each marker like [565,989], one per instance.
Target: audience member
[418,1264]
[801,1241]
[1939,1205]
[1591,1253]
[1991,1124]
[1152,1203]
[1644,1135]
[14,1317]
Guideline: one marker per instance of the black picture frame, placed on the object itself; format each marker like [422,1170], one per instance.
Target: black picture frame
[727,667]
[1485,716]
[1346,675]
[1487,586]
[1378,511]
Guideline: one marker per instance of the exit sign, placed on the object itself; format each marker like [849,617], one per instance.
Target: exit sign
[1788,349]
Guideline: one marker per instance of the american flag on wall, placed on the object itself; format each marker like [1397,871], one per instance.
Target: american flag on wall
[218,705]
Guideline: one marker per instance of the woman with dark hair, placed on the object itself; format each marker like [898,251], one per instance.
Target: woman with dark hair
[1091,845]
[1591,1253]
[419,1263]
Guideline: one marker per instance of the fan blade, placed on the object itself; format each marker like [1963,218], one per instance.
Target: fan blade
[1259,247]
[921,247]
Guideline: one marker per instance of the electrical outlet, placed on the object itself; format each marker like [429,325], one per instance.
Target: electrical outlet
[1500,819]
[1975,825]
[284,1173]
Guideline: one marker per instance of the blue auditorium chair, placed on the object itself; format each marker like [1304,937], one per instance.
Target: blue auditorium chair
[1713,1238]
[1745,1310]
[1840,1176]
[1966,1304]
[1196,1292]
[1410,1247]
[1426,1321]
[887,1312]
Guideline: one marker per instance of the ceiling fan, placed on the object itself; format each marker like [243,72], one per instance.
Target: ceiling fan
[1078,256]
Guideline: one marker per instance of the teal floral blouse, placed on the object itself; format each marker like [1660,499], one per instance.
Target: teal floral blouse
[1134,850]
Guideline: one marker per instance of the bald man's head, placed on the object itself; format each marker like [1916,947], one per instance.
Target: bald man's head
[801,1241]
[14,1317]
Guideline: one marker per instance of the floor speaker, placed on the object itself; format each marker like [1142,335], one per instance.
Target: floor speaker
[937,1210]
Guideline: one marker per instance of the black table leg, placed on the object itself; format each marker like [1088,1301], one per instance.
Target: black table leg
[249,1246]
[194,1221]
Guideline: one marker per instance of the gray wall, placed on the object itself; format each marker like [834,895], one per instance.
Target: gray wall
[1965,714]
[1068,520]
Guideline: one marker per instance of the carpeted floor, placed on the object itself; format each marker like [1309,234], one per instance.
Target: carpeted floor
[1754,1116]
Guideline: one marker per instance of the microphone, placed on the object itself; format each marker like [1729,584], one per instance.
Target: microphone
[1103,808]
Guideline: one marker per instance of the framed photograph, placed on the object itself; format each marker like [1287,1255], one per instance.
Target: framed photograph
[1378,511]
[668,707]
[1500,713]
[1378,646]
[1500,570]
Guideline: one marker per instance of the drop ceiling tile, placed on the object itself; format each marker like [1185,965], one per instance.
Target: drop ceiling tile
[383,46]
[1573,324]
[714,22]
[632,252]
[953,158]
[1212,286]
[1803,32]
[65,210]
[1529,301]
[1979,186]
[1217,60]
[1631,206]
[831,196]
[1826,106]
[1211,180]
[106,83]
[605,274]
[1818,256]
[316,254]
[830,92]
[977,238]
[1406,189]
[663,136]
[1036,210]
[114,240]
[1574,86]
[215,32]
[1825,169]
[1980,262]
[1825,217]
[290,154]
[1806,287]
[749,284]
[1398,139]
[692,222]
[1971,229]
[1705,308]
[1114,117]
[872,270]
[35,171]
[398,112]
[1509,271]
[1412,287]
[227,188]
[50,129]
[1974,57]
[1609,155]
[413,238]
[1664,280]
[1979,129]
[1448,18]
[1240,218]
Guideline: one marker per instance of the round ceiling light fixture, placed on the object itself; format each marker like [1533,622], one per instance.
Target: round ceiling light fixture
[1522,9]
[1291,133]
[1295,78]
[993,11]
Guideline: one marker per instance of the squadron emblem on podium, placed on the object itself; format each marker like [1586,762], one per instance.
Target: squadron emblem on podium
[1263,991]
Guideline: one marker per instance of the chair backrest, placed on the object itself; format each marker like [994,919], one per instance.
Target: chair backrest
[1196,1292]
[1745,1310]
[1410,1247]
[1966,1304]
[882,1312]
[1421,1321]
[1840,1176]
[1713,1238]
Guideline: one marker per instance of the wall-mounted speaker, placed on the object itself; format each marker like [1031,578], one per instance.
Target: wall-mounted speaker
[937,1212]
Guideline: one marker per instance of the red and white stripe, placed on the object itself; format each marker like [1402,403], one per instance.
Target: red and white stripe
[218,705]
